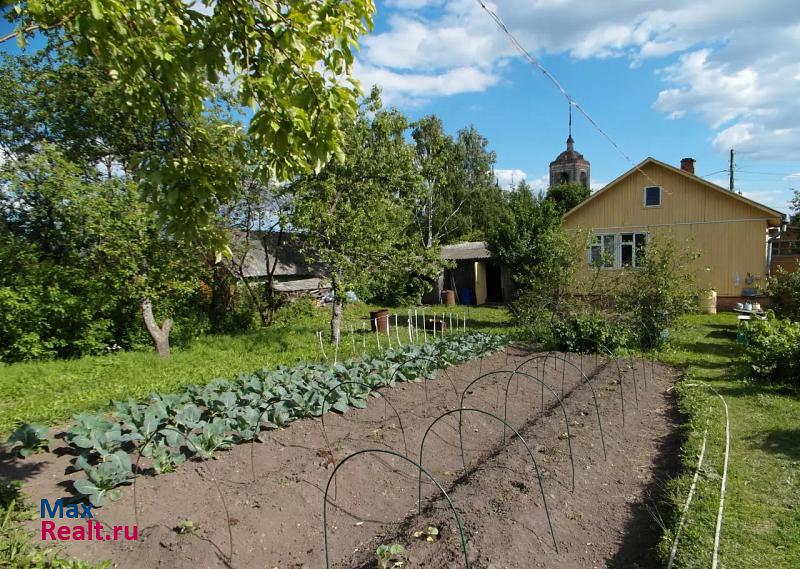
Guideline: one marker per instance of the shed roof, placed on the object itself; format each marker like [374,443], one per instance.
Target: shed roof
[466,250]
[291,261]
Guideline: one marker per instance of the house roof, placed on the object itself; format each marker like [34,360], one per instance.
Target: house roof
[466,250]
[772,213]
[291,261]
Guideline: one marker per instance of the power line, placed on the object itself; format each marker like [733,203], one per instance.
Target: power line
[767,173]
[717,172]
[536,63]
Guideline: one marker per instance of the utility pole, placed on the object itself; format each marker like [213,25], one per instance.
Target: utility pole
[730,171]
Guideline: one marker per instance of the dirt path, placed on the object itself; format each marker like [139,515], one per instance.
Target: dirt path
[276,520]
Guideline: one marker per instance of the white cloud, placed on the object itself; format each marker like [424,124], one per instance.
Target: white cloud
[414,88]
[508,178]
[738,69]
[594,186]
[793,177]
[774,199]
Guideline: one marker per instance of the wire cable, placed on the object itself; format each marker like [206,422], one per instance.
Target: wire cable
[536,63]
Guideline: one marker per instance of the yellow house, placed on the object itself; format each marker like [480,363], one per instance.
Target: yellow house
[732,234]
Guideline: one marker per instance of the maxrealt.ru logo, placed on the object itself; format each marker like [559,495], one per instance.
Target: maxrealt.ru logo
[92,530]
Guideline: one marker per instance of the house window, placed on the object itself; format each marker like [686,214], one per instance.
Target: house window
[602,251]
[617,250]
[652,196]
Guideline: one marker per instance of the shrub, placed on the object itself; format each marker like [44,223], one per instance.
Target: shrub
[653,296]
[773,350]
[589,332]
[785,290]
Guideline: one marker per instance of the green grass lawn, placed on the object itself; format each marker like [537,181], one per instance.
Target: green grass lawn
[51,392]
[761,526]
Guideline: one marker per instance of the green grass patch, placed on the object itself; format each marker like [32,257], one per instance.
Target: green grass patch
[761,526]
[52,391]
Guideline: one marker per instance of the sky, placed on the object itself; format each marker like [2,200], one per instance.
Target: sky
[662,78]
[665,78]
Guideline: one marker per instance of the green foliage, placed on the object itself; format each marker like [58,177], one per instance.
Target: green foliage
[355,216]
[587,332]
[27,439]
[208,419]
[290,63]
[661,289]
[18,545]
[530,240]
[762,467]
[387,555]
[102,481]
[89,383]
[79,254]
[567,196]
[459,199]
[784,287]
[773,350]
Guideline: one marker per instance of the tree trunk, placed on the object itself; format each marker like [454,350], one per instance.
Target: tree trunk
[336,317]
[160,335]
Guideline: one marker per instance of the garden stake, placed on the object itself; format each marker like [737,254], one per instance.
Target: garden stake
[589,383]
[451,321]
[505,413]
[353,339]
[388,335]
[416,325]
[321,347]
[397,331]
[460,411]
[364,338]
[410,334]
[377,334]
[421,469]
[434,325]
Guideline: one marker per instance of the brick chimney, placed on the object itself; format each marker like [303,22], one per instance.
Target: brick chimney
[687,165]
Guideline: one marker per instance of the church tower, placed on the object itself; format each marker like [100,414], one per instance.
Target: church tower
[570,167]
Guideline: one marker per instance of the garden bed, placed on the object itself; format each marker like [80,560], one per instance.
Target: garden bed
[275,520]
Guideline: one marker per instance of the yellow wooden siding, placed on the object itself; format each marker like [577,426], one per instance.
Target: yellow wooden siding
[730,235]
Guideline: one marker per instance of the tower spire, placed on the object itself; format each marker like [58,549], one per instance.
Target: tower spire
[570,119]
[570,142]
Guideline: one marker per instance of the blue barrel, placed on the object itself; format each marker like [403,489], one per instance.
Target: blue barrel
[466,296]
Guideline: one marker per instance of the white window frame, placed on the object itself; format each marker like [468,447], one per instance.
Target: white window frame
[599,239]
[660,196]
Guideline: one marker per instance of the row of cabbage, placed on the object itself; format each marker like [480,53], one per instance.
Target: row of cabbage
[170,429]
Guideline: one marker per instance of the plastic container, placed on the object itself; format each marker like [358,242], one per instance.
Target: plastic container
[467,296]
[708,302]
[379,320]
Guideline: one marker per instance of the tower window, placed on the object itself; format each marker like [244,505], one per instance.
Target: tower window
[584,182]
[652,196]
[564,178]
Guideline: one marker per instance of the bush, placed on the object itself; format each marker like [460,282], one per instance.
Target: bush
[654,295]
[773,350]
[589,332]
[785,290]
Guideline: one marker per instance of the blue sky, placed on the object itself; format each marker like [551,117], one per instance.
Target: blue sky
[664,78]
[668,79]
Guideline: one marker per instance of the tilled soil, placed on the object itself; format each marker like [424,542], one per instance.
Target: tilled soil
[269,513]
